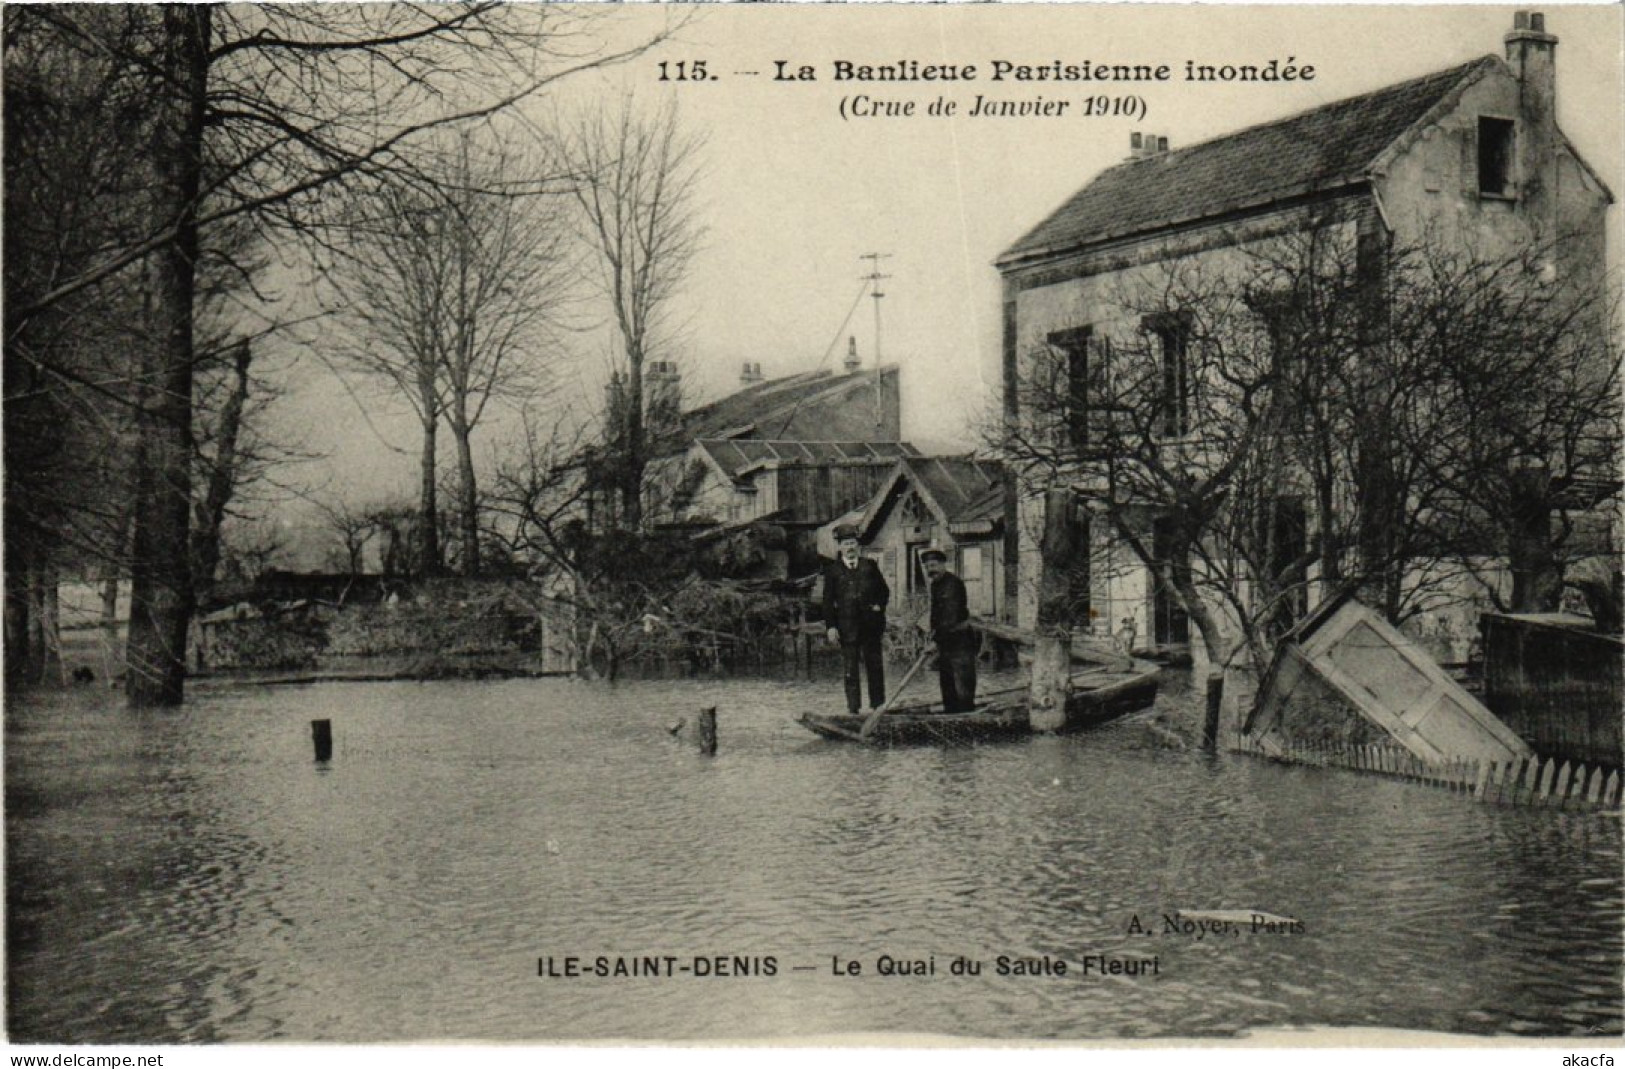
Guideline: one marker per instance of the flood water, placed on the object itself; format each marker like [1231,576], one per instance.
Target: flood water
[194,876]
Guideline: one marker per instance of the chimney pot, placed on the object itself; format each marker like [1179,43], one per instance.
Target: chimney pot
[1537,21]
[1162,144]
[851,362]
[1520,20]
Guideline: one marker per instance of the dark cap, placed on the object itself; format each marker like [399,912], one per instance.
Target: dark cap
[933,554]
[845,531]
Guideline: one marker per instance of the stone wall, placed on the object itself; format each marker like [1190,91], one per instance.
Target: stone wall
[443,618]
[293,640]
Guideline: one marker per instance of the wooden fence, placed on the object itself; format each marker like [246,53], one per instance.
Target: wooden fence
[1527,781]
[1556,685]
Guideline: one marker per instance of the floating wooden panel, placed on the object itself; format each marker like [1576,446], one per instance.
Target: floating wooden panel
[1396,686]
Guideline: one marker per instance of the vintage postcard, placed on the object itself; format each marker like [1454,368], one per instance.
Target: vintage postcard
[1083,524]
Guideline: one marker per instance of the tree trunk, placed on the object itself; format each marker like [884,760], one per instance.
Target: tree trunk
[1052,655]
[222,480]
[468,513]
[632,468]
[1380,519]
[1207,624]
[161,598]
[428,506]
[1326,547]
[110,626]
[19,622]
[1215,703]
[51,624]
[44,635]
[1537,577]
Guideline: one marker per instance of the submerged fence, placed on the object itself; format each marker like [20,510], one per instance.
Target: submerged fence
[1531,781]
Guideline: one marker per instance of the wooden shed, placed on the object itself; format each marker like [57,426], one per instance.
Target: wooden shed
[953,503]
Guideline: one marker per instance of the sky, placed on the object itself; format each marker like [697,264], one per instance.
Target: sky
[795,195]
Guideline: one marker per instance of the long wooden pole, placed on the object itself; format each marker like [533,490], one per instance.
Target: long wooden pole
[873,718]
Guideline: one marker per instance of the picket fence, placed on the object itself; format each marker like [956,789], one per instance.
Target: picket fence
[1528,781]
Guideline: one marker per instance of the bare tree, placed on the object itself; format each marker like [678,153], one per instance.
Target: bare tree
[249,548]
[256,112]
[71,191]
[635,180]
[353,527]
[455,295]
[1322,408]
[395,322]
[1520,371]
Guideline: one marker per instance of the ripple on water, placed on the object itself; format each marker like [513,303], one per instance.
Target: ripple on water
[464,830]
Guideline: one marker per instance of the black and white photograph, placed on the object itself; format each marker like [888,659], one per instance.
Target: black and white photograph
[891,524]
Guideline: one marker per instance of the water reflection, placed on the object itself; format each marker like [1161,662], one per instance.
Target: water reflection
[222,887]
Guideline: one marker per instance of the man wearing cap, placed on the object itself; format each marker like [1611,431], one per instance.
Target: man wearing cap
[958,643]
[855,596]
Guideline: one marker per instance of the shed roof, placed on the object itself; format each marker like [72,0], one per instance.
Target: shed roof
[767,407]
[1329,147]
[736,457]
[965,493]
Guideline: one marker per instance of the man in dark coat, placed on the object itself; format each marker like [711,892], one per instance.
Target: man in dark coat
[958,643]
[855,596]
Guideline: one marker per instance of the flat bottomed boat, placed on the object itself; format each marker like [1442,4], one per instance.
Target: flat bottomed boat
[1098,697]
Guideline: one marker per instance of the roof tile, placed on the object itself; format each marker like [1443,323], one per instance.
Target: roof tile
[1326,148]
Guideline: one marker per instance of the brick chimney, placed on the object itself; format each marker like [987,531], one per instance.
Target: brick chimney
[851,362]
[750,374]
[1141,145]
[662,395]
[1532,54]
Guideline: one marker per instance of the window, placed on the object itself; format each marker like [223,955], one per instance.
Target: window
[971,571]
[1281,318]
[1288,541]
[1495,157]
[1277,312]
[917,581]
[1083,399]
[1072,350]
[1174,389]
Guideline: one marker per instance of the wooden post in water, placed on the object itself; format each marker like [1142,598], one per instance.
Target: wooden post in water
[321,733]
[1052,652]
[1212,711]
[702,732]
[706,732]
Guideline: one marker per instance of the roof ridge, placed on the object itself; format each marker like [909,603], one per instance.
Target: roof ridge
[1458,70]
[1331,130]
[816,377]
[805,441]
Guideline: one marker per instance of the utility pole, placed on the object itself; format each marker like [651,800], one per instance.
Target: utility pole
[874,278]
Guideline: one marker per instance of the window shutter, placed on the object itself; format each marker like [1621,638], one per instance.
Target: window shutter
[1072,351]
[1100,390]
[1469,160]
